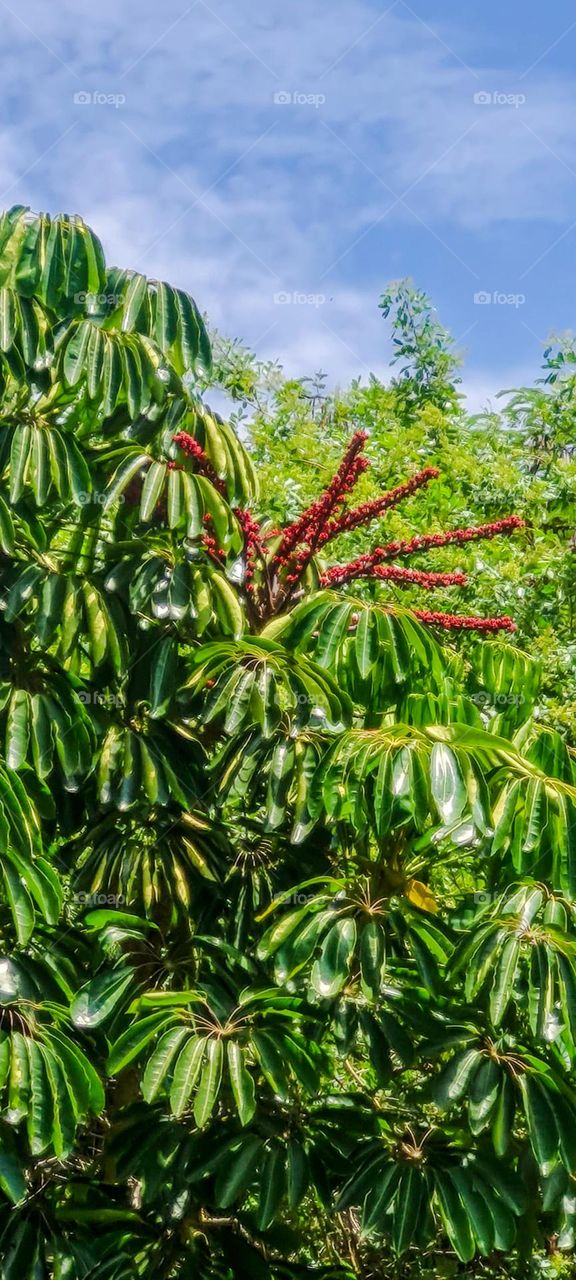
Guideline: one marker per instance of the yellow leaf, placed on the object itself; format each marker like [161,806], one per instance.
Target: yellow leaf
[419,894]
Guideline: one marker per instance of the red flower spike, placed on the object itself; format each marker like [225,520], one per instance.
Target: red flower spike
[190,446]
[313,520]
[426,541]
[253,545]
[318,524]
[452,622]
[250,528]
[209,542]
[340,574]
[369,511]
[365,566]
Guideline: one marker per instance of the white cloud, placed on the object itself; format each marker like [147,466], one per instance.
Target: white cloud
[290,188]
[481,388]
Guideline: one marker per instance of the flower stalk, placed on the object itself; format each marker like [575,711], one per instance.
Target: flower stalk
[272,579]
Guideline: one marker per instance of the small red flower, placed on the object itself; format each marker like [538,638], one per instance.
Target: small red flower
[194,450]
[253,545]
[209,541]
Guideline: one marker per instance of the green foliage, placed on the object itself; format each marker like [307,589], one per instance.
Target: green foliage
[288,973]
[520,459]
[423,347]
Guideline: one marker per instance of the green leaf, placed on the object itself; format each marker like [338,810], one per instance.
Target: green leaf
[6,529]
[163,680]
[448,788]
[297,1173]
[238,1171]
[272,1185]
[503,984]
[271,1062]
[40,1115]
[112,375]
[454,1217]
[382,1183]
[159,1063]
[75,352]
[242,1083]
[407,1210]
[19,1079]
[100,997]
[541,1120]
[152,489]
[166,319]
[133,301]
[17,729]
[8,319]
[131,1043]
[330,972]
[12,1181]
[85,1081]
[95,363]
[452,1083]
[20,904]
[366,643]
[186,1072]
[209,1086]
[477,1210]
[504,1117]
[484,1088]
[372,958]
[19,458]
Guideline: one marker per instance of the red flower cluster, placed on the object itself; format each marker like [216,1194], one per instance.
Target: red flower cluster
[312,523]
[320,523]
[315,528]
[133,491]
[366,565]
[424,542]
[369,511]
[209,541]
[252,544]
[190,446]
[453,622]
[340,574]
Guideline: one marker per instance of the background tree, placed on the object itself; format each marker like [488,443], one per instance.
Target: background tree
[489,464]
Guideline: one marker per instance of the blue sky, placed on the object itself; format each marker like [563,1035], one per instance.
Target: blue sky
[284,161]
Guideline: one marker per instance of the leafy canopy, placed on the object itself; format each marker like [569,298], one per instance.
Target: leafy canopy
[288,981]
